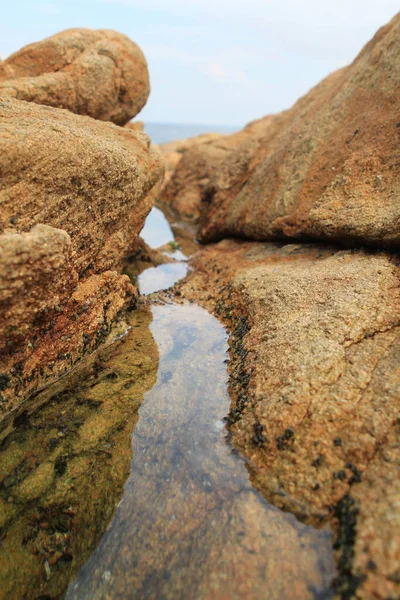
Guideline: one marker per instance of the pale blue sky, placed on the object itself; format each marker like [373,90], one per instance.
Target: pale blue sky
[220,62]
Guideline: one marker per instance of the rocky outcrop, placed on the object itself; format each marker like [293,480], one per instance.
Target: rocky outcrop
[325,169]
[173,151]
[74,195]
[191,165]
[99,73]
[95,180]
[315,329]
[315,384]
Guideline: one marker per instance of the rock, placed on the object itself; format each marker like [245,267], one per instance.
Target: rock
[99,73]
[191,164]
[50,318]
[135,125]
[326,169]
[75,193]
[172,153]
[43,254]
[315,382]
[95,180]
[189,169]
[65,457]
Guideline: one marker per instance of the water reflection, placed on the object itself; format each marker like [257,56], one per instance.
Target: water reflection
[190,526]
[156,231]
[64,459]
[161,277]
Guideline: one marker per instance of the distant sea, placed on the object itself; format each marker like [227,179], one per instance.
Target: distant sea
[161,133]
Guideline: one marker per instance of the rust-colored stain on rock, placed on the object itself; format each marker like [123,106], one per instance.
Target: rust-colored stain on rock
[74,195]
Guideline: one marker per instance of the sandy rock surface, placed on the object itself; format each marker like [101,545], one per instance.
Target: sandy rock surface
[99,73]
[315,383]
[95,180]
[74,195]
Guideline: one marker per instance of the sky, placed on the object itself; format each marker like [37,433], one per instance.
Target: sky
[222,62]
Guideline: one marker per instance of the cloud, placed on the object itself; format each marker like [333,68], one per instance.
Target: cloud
[217,67]
[225,61]
[337,28]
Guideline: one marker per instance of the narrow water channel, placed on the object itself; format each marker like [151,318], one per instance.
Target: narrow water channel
[180,520]
[190,525]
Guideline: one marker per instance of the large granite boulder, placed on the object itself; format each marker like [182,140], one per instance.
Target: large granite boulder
[325,169]
[193,163]
[315,385]
[74,195]
[99,73]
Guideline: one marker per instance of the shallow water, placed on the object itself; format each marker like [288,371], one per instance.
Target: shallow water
[157,234]
[162,277]
[64,458]
[156,231]
[190,525]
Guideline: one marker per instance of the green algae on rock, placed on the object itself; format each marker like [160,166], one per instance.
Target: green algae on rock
[64,458]
[74,195]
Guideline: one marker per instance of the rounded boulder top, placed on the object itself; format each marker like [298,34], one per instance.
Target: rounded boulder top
[99,73]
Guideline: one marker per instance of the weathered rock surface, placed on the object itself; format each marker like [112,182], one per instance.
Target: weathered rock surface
[173,151]
[191,164]
[315,349]
[74,194]
[94,180]
[325,169]
[65,456]
[99,73]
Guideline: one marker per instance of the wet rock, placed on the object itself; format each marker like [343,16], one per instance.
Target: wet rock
[99,73]
[64,459]
[75,193]
[315,382]
[325,169]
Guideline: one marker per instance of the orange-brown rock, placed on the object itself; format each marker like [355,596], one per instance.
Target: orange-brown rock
[315,381]
[191,164]
[99,73]
[74,195]
[172,153]
[95,180]
[326,169]
[135,125]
